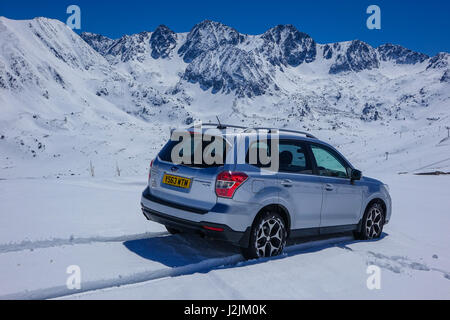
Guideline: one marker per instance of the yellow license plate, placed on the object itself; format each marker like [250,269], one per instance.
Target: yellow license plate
[177,181]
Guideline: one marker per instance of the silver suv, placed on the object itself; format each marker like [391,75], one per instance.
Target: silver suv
[242,198]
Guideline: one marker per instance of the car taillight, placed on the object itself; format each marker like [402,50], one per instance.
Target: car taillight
[150,170]
[228,182]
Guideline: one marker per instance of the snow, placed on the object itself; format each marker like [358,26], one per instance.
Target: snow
[84,209]
[96,224]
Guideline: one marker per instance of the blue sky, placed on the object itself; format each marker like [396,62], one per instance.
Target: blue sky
[419,25]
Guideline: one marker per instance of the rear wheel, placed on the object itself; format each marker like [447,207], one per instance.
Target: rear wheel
[372,223]
[172,230]
[267,238]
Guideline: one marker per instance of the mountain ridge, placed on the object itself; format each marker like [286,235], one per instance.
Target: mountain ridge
[212,45]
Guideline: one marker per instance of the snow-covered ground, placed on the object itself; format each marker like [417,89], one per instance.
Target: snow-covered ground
[48,225]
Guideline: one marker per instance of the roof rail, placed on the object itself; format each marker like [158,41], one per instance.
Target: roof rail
[225,126]
[307,134]
[220,126]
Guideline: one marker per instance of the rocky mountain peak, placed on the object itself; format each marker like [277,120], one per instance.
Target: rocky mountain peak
[162,42]
[356,56]
[99,43]
[208,35]
[285,45]
[228,70]
[131,47]
[400,55]
[439,61]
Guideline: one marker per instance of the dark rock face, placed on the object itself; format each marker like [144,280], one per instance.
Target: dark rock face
[207,36]
[446,76]
[99,43]
[400,55]
[285,45]
[370,113]
[358,56]
[127,48]
[237,71]
[331,50]
[439,61]
[327,52]
[130,47]
[162,42]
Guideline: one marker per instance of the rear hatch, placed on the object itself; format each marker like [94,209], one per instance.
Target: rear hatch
[188,184]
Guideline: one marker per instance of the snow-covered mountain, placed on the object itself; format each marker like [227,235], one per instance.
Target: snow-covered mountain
[68,100]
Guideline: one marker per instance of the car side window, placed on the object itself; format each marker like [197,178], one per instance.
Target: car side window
[328,164]
[293,158]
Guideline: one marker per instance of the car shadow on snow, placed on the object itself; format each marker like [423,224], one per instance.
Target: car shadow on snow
[180,250]
[186,249]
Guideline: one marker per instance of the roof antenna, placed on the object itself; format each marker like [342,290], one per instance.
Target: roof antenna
[220,127]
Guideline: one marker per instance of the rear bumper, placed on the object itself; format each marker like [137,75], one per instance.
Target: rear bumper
[156,210]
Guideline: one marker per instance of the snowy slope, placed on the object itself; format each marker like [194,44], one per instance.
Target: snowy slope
[67,100]
[63,105]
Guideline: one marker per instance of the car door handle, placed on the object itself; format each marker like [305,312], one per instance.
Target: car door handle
[329,187]
[287,183]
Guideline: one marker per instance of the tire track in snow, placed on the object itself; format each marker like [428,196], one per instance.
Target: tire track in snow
[42,244]
[62,291]
[138,278]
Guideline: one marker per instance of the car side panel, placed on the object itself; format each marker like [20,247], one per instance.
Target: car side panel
[342,203]
[304,196]
[376,191]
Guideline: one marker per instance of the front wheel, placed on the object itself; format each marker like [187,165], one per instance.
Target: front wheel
[267,238]
[372,223]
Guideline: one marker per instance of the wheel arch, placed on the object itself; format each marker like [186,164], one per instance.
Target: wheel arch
[377,200]
[368,205]
[280,209]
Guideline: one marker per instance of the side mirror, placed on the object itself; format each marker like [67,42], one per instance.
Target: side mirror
[356,175]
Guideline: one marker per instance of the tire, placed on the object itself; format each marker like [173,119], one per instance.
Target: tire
[372,223]
[172,230]
[267,237]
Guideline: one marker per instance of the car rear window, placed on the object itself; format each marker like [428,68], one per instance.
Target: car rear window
[208,144]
